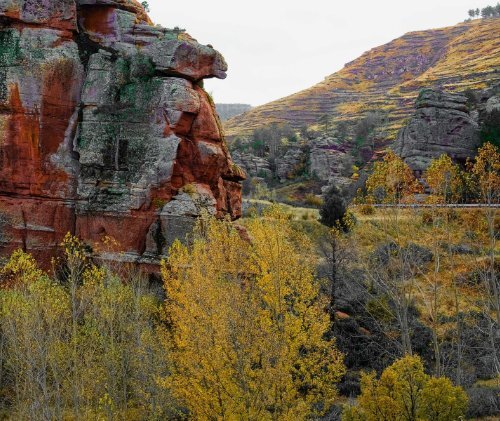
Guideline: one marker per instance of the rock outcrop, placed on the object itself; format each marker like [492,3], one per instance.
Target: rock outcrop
[331,161]
[441,125]
[105,129]
[290,164]
[253,165]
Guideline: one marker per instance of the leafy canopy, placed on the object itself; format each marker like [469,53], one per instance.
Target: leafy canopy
[248,324]
[405,393]
[392,180]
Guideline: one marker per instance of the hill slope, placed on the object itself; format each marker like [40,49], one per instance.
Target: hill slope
[389,78]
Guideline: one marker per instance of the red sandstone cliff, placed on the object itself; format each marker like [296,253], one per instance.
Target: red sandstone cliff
[105,129]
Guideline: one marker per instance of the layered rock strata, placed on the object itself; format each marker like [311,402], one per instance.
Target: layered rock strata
[441,124]
[105,129]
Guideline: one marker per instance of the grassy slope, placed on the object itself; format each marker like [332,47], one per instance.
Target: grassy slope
[390,77]
[371,231]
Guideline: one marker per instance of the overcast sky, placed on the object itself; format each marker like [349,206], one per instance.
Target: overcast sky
[277,47]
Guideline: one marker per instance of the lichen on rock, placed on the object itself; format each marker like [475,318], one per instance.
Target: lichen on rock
[441,125]
[102,119]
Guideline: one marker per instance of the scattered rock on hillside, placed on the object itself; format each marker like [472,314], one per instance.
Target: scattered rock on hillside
[441,124]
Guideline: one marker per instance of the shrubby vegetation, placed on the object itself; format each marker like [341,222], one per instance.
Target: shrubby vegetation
[84,345]
[424,281]
[241,335]
[405,392]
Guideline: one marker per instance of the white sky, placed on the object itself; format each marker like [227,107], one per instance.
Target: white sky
[278,47]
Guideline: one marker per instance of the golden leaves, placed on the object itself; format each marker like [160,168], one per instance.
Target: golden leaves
[247,323]
[392,181]
[405,392]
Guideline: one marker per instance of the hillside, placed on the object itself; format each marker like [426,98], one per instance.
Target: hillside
[388,78]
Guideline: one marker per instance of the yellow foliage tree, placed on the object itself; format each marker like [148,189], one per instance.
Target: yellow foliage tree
[405,393]
[486,170]
[445,180]
[248,325]
[392,180]
[85,346]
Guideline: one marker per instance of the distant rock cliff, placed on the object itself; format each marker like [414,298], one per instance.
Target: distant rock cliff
[105,129]
[227,111]
[441,125]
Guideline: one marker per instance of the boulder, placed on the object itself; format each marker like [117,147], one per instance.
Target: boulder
[103,128]
[441,125]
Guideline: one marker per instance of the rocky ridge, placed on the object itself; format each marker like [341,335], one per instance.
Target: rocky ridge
[105,129]
[441,123]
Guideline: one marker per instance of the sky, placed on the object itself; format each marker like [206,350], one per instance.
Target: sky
[275,48]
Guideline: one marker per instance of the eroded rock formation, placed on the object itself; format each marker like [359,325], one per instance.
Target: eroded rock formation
[441,125]
[105,129]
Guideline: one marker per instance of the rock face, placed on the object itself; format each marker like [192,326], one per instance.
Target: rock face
[288,165]
[441,124]
[254,166]
[105,129]
[331,162]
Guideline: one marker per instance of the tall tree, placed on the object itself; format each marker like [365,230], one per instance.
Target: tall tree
[486,170]
[248,325]
[446,182]
[393,272]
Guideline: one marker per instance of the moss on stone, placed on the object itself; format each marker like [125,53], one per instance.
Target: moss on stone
[10,49]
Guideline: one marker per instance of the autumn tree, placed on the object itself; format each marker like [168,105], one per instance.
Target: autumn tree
[87,348]
[248,324]
[448,184]
[35,317]
[445,180]
[392,181]
[486,173]
[392,272]
[405,393]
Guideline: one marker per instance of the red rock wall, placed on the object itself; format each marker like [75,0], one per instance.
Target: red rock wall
[87,148]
